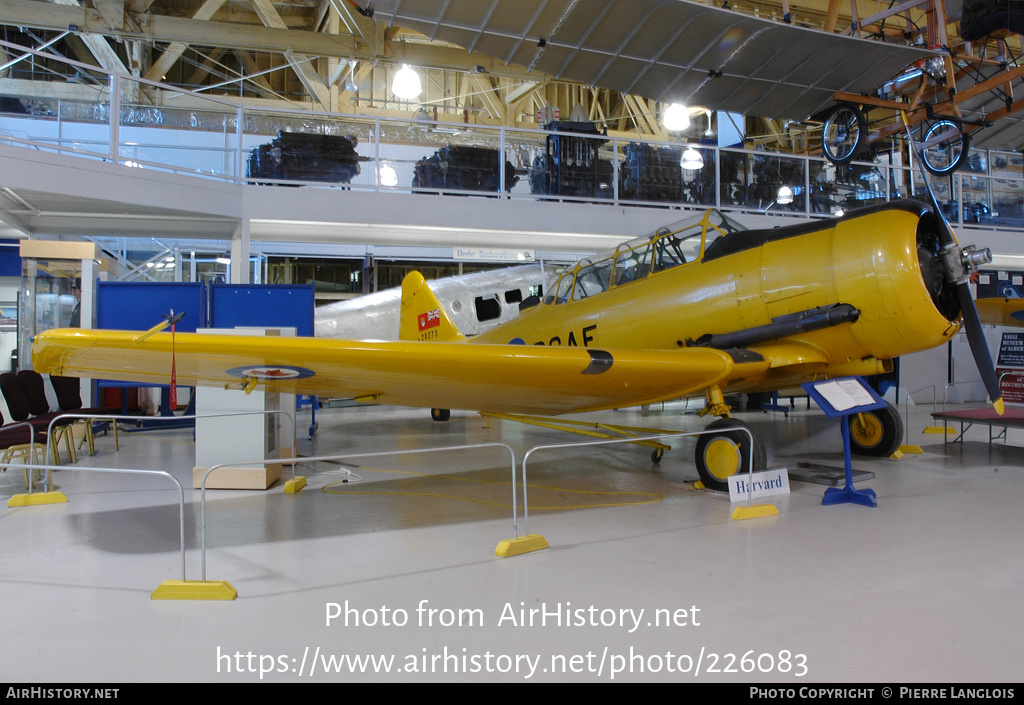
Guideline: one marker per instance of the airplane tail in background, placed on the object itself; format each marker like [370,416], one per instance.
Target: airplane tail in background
[422,316]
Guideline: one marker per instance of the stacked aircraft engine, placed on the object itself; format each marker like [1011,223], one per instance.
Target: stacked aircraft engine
[464,169]
[570,165]
[304,157]
[651,173]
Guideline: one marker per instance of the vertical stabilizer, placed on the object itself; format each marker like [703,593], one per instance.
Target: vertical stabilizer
[423,317]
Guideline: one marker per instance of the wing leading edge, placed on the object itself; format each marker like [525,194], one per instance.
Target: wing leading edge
[510,378]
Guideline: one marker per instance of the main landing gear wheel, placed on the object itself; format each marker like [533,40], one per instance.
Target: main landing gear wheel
[876,434]
[844,133]
[440,415]
[950,154]
[723,454]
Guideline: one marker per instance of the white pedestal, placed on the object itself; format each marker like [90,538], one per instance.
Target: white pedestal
[242,438]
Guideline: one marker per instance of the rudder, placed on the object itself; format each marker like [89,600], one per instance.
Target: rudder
[422,316]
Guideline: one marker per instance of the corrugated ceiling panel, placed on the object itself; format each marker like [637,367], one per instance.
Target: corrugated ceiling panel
[663,49]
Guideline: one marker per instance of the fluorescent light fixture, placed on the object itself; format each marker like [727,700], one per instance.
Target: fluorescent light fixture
[406,84]
[692,159]
[387,176]
[676,118]
[223,260]
[785,196]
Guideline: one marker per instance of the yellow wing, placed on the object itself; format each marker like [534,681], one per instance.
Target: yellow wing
[1001,311]
[459,375]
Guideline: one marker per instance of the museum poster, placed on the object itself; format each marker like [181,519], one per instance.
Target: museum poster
[1010,365]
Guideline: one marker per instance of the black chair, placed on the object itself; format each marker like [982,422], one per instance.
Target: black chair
[69,398]
[25,395]
[17,442]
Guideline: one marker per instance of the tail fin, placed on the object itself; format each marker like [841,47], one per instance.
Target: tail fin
[422,316]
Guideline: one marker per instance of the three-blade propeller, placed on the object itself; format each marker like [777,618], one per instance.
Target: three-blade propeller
[956,264]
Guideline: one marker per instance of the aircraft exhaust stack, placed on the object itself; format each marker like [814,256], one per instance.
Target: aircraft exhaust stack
[781,327]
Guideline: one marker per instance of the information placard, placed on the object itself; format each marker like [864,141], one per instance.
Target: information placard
[743,486]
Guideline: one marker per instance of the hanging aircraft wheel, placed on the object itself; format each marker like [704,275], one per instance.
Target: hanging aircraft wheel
[876,434]
[844,133]
[723,454]
[949,155]
[440,415]
[657,454]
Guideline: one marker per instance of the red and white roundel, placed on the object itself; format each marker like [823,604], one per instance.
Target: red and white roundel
[271,372]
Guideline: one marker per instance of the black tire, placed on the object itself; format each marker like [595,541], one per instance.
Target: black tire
[948,156]
[876,434]
[715,464]
[657,454]
[844,133]
[440,415]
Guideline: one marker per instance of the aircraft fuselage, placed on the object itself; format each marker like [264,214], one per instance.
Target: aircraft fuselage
[870,262]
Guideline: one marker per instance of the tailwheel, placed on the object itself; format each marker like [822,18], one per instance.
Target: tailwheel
[723,454]
[440,415]
[657,454]
[876,433]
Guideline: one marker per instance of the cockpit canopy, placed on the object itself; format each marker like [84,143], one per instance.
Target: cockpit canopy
[668,247]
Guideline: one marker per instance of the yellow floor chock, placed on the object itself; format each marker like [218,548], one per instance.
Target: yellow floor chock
[194,590]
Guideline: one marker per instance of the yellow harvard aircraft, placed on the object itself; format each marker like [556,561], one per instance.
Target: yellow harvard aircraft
[699,308]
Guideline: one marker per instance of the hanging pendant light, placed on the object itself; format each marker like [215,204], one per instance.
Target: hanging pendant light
[692,159]
[676,118]
[388,176]
[406,84]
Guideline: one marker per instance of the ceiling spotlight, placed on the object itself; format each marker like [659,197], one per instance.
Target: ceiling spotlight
[785,196]
[388,176]
[676,118]
[692,159]
[407,83]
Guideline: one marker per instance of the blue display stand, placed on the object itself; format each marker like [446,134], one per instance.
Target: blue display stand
[833,398]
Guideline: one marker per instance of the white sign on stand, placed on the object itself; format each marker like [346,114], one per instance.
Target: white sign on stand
[759,484]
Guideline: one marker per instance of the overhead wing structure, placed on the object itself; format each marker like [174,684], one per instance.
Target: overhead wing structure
[509,378]
[673,51]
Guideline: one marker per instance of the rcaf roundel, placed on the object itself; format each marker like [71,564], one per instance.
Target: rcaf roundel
[271,372]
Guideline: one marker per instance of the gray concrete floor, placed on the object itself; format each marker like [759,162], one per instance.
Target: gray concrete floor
[925,587]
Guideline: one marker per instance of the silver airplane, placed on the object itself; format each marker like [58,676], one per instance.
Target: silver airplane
[475,302]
